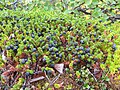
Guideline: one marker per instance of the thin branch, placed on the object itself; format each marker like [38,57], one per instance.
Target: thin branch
[78,6]
[55,79]
[83,10]
[80,9]
[13,3]
[92,75]
[36,79]
[47,77]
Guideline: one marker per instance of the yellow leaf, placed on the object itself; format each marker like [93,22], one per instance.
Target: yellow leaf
[57,85]
[8,3]
[82,6]
[87,17]
[118,12]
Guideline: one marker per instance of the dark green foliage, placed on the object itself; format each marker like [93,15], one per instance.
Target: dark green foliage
[35,39]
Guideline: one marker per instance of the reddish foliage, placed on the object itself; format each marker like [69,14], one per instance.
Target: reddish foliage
[6,73]
[62,38]
[97,71]
[13,69]
[66,63]
[23,55]
[38,74]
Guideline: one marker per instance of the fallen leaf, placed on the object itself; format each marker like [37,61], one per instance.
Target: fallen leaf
[59,67]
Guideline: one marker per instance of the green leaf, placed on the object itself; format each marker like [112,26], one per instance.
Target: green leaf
[97,12]
[77,73]
[49,88]
[107,79]
[72,0]
[72,4]
[58,4]
[81,1]
[95,2]
[57,85]
[88,2]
